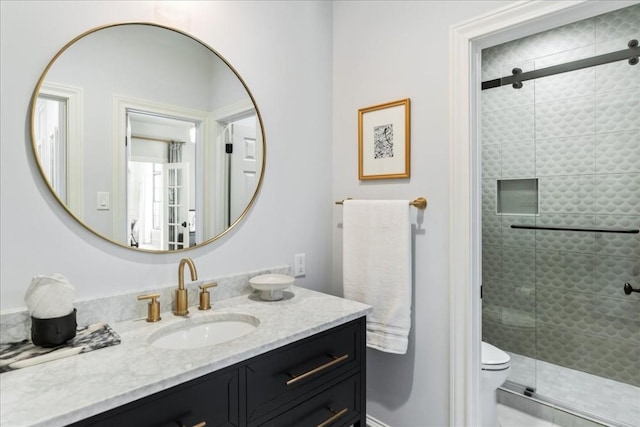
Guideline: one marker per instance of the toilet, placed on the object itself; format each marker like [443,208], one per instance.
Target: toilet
[496,365]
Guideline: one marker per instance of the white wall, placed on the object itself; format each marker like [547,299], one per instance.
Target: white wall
[385,51]
[283,52]
[382,51]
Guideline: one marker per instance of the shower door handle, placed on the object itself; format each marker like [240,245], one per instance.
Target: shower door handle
[628,289]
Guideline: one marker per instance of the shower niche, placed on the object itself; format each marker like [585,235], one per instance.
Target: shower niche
[517,196]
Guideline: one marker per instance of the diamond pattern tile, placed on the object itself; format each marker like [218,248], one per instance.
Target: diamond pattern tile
[516,302]
[612,273]
[565,156]
[583,313]
[491,161]
[563,307]
[508,126]
[491,229]
[616,77]
[518,160]
[564,56]
[566,241]
[518,265]
[566,118]
[566,85]
[489,190]
[622,308]
[518,238]
[491,262]
[623,245]
[565,38]
[565,270]
[521,340]
[623,23]
[618,194]
[567,194]
[618,152]
[490,292]
[588,353]
[618,111]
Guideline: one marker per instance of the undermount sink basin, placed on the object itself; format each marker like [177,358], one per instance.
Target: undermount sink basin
[204,331]
[271,285]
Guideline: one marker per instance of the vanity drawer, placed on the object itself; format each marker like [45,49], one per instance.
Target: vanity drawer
[336,406]
[283,375]
[212,399]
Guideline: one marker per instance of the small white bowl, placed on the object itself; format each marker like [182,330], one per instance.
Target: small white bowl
[271,285]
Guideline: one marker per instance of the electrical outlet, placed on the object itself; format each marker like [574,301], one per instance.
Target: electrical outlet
[299,268]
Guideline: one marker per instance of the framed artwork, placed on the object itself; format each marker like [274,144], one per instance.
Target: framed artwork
[384,141]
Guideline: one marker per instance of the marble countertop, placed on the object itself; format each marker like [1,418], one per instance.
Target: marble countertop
[68,390]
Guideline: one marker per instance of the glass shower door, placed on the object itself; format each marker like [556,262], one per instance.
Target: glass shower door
[587,157]
[554,285]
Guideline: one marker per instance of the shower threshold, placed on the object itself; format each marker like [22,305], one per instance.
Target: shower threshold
[561,393]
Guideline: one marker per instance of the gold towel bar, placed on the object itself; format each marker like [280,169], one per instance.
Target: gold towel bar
[420,202]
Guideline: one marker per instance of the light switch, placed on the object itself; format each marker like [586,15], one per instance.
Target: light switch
[104,202]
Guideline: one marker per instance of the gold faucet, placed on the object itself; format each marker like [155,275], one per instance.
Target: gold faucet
[182,306]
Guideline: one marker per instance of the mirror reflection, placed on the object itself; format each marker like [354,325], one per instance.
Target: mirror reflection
[147,137]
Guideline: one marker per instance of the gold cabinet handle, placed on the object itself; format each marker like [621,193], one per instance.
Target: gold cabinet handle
[295,378]
[337,414]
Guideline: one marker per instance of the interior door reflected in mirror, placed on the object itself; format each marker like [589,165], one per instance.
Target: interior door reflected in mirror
[148,137]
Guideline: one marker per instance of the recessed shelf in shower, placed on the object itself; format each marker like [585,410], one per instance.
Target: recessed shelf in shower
[517,196]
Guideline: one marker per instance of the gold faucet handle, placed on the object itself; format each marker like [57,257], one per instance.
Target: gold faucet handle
[205,298]
[206,286]
[153,311]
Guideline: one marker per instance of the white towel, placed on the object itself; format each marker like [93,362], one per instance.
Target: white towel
[377,268]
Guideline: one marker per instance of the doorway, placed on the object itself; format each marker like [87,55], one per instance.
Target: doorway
[560,217]
[467,40]
[161,181]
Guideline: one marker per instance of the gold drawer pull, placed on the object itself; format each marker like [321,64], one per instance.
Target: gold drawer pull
[201,424]
[295,378]
[335,417]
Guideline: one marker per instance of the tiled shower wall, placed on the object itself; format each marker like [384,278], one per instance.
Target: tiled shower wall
[557,295]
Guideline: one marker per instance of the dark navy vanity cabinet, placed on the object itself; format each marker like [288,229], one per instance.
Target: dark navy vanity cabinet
[317,381]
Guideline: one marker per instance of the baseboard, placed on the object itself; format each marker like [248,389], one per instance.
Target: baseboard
[372,422]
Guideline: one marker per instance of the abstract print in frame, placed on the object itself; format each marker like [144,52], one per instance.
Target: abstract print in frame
[384,141]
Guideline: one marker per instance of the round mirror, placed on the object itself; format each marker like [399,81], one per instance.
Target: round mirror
[148,137]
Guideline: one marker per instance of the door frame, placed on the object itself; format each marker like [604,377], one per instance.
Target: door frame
[466,41]
[121,105]
[74,97]
[216,179]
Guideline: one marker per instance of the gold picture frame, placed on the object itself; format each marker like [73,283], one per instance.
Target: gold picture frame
[384,141]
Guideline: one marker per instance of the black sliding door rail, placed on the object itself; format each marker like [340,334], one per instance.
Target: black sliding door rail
[630,54]
[591,230]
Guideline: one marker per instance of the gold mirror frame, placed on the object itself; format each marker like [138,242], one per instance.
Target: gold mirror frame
[259,123]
